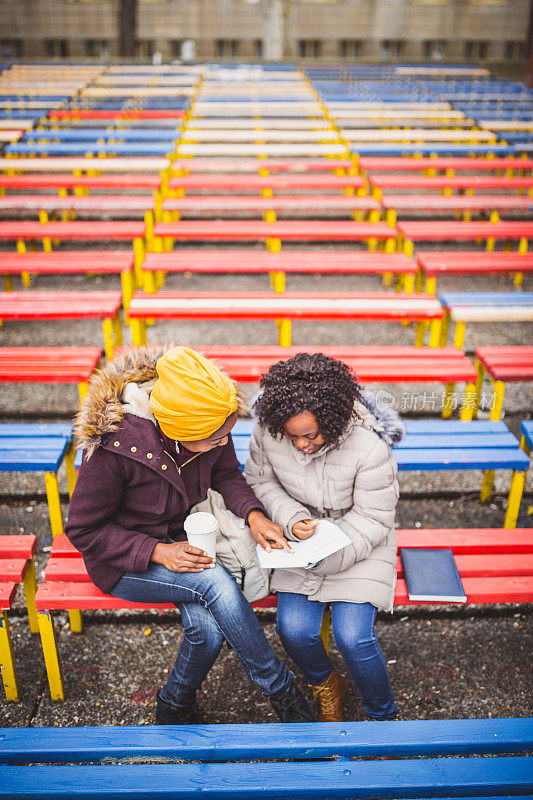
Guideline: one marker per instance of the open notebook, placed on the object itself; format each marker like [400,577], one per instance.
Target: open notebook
[328,538]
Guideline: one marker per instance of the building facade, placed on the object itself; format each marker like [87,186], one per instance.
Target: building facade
[478,31]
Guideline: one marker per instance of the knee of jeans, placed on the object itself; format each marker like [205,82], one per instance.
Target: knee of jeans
[293,632]
[360,647]
[201,630]
[220,584]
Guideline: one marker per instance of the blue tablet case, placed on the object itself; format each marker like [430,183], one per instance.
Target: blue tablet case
[432,575]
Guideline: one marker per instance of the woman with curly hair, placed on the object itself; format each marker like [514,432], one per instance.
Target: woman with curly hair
[321,449]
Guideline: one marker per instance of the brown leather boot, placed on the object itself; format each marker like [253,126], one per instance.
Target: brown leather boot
[330,696]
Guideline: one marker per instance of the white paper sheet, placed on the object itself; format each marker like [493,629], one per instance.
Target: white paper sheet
[328,538]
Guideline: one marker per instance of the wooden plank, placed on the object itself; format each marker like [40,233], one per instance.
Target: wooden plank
[72,230]
[257,183]
[441,231]
[442,261]
[30,305]
[275,740]
[368,779]
[405,164]
[67,261]
[251,230]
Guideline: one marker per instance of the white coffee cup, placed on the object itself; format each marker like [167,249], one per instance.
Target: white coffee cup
[201,529]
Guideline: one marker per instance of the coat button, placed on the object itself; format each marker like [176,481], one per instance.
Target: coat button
[163,466]
[116,444]
[133,449]
[149,455]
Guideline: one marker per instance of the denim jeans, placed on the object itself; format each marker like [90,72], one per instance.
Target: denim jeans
[213,608]
[299,621]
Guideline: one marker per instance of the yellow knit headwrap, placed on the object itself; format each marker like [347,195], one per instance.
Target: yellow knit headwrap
[191,398]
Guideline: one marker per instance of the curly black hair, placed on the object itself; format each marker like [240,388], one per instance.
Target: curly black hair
[308,382]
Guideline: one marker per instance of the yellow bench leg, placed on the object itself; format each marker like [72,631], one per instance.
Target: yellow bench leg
[25,277]
[54,503]
[496,405]
[445,327]
[480,369]
[324,629]
[138,258]
[138,331]
[513,501]
[285,332]
[109,339]
[448,404]
[459,338]
[149,282]
[117,329]
[70,470]
[51,655]
[278,281]
[76,620]
[29,583]
[7,661]
[387,279]
[486,486]
[469,402]
[128,287]
[420,333]
[8,283]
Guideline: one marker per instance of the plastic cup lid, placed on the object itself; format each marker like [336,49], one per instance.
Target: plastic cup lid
[200,522]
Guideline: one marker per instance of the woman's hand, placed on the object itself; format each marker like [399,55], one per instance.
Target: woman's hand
[181,557]
[305,528]
[267,533]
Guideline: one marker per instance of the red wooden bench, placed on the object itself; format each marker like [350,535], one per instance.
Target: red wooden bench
[52,305]
[150,164]
[470,262]
[164,233]
[49,365]
[399,204]
[262,165]
[117,206]
[433,231]
[501,365]
[16,566]
[432,184]
[91,231]
[72,181]
[451,164]
[258,183]
[283,307]
[305,205]
[71,262]
[344,262]
[494,567]
[371,364]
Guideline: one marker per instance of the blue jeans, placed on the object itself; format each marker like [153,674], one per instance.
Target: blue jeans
[213,608]
[299,621]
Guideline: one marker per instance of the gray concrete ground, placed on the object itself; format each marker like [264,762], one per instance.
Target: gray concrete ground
[444,662]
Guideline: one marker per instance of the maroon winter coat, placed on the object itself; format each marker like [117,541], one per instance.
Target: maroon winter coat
[129,494]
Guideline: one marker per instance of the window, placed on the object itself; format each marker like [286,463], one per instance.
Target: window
[434,49]
[391,48]
[515,51]
[477,50]
[309,48]
[258,48]
[11,48]
[351,48]
[227,48]
[56,48]
[97,48]
[144,48]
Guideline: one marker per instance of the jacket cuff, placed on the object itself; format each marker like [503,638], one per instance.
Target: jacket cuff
[252,506]
[144,553]
[297,517]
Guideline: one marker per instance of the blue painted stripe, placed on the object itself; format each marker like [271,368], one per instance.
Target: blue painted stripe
[340,779]
[30,461]
[35,429]
[451,299]
[526,429]
[147,149]
[90,134]
[269,741]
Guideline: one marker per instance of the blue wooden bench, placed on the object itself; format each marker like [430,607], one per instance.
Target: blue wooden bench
[40,447]
[437,445]
[421,758]
[464,307]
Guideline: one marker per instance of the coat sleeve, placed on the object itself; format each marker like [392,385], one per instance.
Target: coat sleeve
[91,525]
[372,514]
[227,478]
[281,507]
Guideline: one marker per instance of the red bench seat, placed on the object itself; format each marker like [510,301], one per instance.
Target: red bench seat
[257,183]
[344,262]
[279,203]
[88,231]
[98,205]
[58,305]
[17,566]
[371,363]
[49,365]
[433,231]
[283,307]
[471,182]
[425,204]
[406,164]
[69,181]
[244,164]
[501,365]
[471,262]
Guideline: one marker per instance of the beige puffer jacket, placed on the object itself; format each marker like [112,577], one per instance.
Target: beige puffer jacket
[354,484]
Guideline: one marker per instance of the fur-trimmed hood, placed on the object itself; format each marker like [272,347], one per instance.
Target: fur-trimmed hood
[121,387]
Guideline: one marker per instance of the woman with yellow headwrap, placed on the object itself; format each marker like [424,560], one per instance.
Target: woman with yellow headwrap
[151,452]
